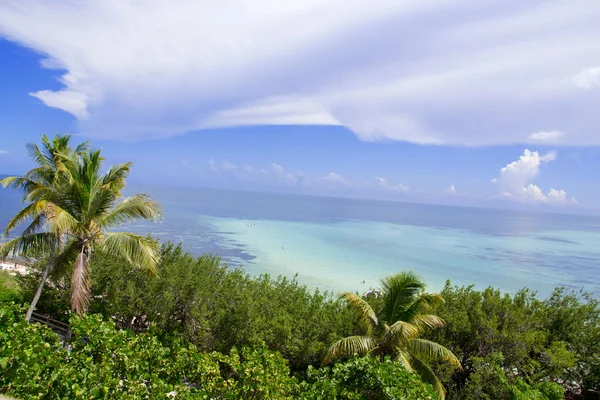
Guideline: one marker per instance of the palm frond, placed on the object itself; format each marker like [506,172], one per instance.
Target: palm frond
[399,292]
[29,211]
[424,303]
[428,376]
[26,244]
[83,147]
[428,321]
[36,224]
[101,200]
[114,179]
[363,307]
[428,350]
[403,358]
[80,283]
[65,258]
[401,332]
[36,153]
[140,251]
[347,347]
[60,219]
[14,182]
[429,302]
[139,206]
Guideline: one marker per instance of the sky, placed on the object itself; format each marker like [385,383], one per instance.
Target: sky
[489,103]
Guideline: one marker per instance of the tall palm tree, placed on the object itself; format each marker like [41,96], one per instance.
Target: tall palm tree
[86,209]
[46,175]
[393,329]
[81,207]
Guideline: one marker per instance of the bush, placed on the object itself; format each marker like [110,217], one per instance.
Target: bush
[501,338]
[9,289]
[101,361]
[218,308]
[365,378]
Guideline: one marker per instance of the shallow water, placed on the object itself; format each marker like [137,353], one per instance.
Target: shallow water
[336,244]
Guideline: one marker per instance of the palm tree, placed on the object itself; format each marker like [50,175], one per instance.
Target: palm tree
[82,207]
[45,175]
[87,208]
[405,312]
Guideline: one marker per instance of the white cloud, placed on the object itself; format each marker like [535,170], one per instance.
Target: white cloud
[66,100]
[288,179]
[212,166]
[546,136]
[588,78]
[383,183]
[515,180]
[4,152]
[451,190]
[424,71]
[334,180]
[277,176]
[560,196]
[227,166]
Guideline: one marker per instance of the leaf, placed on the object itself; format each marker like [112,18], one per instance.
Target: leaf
[429,350]
[399,292]
[361,305]
[428,376]
[347,347]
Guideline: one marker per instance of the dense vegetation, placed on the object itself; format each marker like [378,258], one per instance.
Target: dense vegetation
[104,362]
[503,340]
[510,347]
[71,210]
[180,326]
[404,311]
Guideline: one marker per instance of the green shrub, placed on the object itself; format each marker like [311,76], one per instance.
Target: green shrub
[506,337]
[9,289]
[103,362]
[218,308]
[365,378]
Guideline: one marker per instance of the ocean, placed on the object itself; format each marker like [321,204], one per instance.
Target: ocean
[339,244]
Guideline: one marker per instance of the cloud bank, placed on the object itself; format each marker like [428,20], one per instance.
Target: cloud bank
[277,177]
[446,72]
[515,180]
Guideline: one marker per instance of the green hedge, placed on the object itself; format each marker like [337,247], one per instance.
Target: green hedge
[101,361]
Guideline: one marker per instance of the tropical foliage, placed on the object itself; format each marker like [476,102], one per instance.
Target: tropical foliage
[404,313]
[504,342]
[365,378]
[68,199]
[46,176]
[10,290]
[519,338]
[103,362]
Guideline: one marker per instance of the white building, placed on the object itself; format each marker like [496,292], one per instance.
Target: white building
[14,266]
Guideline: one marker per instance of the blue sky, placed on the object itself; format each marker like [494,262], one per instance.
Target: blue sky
[493,104]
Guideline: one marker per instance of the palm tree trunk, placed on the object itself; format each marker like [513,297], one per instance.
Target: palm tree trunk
[38,293]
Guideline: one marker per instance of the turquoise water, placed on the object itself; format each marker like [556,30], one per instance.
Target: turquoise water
[341,255]
[346,244]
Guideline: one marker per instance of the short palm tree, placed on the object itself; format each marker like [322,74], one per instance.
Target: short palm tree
[83,206]
[46,175]
[393,330]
